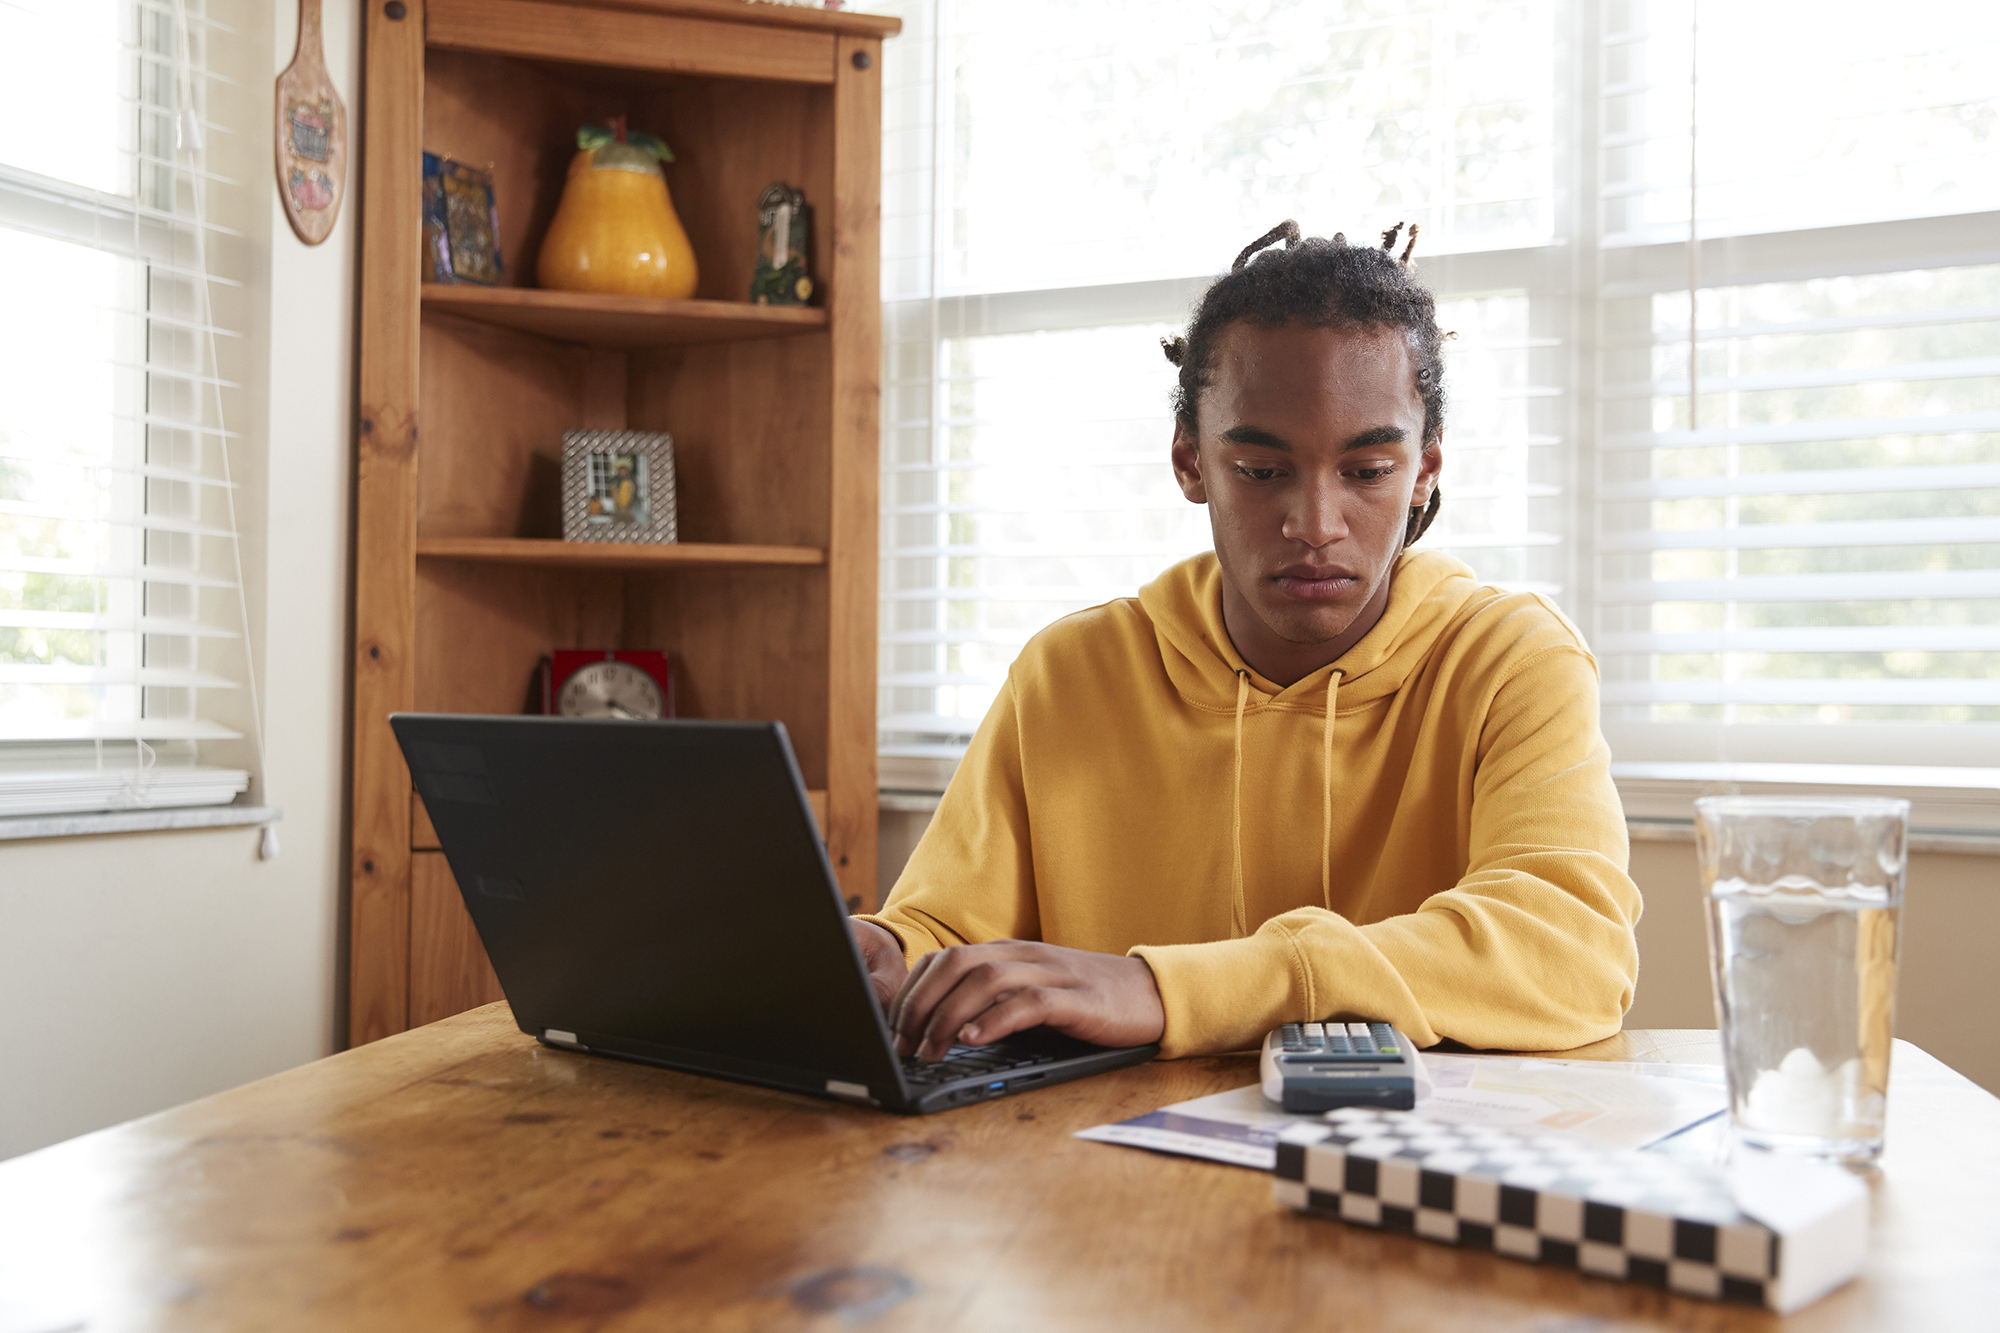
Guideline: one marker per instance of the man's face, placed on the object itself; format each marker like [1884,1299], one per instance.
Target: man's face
[1309,457]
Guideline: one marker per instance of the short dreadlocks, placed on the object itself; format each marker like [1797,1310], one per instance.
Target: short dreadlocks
[1322,282]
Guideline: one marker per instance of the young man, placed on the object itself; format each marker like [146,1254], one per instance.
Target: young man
[1310,775]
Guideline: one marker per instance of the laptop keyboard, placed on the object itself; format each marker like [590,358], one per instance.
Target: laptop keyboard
[971,1062]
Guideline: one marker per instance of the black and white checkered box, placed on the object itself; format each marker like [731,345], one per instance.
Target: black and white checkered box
[1773,1231]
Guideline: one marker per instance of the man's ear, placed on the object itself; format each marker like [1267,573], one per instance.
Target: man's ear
[1429,464]
[1187,464]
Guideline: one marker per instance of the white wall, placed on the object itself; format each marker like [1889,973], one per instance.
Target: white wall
[138,971]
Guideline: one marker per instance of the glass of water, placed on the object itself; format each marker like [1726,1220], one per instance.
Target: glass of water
[1803,898]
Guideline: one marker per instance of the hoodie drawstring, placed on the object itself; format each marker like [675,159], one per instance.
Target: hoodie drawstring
[1326,794]
[1237,918]
[1238,914]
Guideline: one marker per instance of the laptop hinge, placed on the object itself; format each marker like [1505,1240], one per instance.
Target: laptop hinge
[857,1092]
[566,1040]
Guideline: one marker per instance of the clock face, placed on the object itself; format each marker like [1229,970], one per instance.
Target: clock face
[611,689]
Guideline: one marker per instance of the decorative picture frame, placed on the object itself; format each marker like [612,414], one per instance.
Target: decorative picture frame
[461,224]
[618,486]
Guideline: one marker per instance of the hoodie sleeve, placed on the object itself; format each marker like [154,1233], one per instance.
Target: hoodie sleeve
[971,877]
[1532,949]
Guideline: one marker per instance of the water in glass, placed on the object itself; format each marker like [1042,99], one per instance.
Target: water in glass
[1805,991]
[1803,900]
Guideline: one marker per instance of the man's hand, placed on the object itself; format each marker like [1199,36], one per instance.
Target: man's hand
[882,955]
[979,993]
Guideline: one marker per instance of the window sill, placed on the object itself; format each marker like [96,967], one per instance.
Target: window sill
[89,824]
[1965,842]
[1959,806]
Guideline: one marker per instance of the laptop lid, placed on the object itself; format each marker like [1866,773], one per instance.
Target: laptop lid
[658,889]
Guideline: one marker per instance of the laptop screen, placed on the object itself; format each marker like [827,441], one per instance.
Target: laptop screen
[657,888]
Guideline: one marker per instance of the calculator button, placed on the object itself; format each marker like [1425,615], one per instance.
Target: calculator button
[1315,1029]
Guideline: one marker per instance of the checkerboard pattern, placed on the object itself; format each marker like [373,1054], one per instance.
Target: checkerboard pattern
[1649,1218]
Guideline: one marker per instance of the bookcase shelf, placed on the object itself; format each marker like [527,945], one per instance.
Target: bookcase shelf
[620,323]
[767,607]
[611,555]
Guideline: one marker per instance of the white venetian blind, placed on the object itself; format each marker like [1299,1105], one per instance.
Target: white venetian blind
[122,655]
[1798,466]
[1061,182]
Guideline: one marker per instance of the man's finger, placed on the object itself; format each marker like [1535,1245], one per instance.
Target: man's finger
[936,975]
[922,995]
[987,1019]
[1024,1009]
[978,988]
[900,1005]
[969,1005]
[932,979]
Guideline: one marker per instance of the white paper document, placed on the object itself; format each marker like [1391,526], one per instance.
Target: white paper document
[1617,1104]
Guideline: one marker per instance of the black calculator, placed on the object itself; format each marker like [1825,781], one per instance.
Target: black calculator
[1326,1066]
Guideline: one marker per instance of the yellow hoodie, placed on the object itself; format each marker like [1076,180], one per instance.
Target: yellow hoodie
[1446,852]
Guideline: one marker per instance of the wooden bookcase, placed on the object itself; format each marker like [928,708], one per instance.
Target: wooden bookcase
[462,583]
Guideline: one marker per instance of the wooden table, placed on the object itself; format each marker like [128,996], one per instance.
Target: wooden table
[463,1177]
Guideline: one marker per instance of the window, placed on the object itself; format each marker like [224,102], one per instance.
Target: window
[1783,549]
[1797,531]
[122,656]
[1025,406]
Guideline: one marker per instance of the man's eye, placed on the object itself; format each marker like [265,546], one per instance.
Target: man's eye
[1372,473]
[1258,473]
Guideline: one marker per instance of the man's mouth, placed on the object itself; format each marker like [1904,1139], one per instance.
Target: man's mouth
[1310,584]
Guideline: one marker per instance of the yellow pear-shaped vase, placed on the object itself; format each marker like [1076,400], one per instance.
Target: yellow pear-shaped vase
[616,231]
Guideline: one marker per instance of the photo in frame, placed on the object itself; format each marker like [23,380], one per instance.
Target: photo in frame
[461,224]
[618,486]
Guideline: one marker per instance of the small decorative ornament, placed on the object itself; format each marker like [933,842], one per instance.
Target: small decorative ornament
[618,486]
[634,684]
[615,231]
[461,224]
[784,239]
[311,135]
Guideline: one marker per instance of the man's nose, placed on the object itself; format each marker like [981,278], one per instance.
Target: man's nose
[1315,517]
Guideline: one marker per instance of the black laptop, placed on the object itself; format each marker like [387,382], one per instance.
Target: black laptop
[658,891]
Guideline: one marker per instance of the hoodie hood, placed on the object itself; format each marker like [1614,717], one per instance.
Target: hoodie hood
[1426,592]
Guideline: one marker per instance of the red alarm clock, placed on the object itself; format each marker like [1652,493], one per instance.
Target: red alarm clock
[631,683]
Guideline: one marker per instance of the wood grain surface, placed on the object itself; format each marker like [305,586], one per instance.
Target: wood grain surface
[668,43]
[449,971]
[612,555]
[461,1176]
[760,11]
[593,320]
[853,568]
[385,525]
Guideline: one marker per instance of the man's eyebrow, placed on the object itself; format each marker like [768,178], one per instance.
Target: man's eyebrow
[1257,437]
[1375,435]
